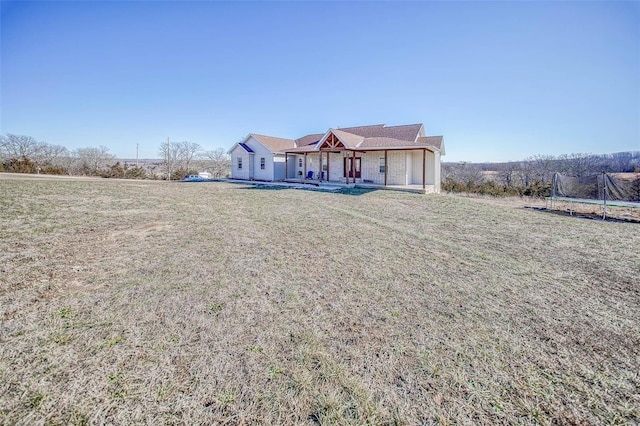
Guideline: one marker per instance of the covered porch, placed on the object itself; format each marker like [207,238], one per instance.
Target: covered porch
[401,169]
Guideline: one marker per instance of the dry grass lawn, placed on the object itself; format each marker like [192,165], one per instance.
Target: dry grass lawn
[210,303]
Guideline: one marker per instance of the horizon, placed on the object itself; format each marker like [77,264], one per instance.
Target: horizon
[500,81]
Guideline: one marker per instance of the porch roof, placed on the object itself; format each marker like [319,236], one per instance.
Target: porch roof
[431,143]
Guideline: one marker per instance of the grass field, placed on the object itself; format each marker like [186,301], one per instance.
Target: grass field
[210,303]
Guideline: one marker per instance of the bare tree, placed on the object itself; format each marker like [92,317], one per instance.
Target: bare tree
[91,161]
[579,164]
[48,154]
[187,151]
[170,154]
[465,173]
[18,146]
[218,161]
[539,168]
[622,162]
[508,173]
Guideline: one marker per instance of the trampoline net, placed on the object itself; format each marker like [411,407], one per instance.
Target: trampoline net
[593,187]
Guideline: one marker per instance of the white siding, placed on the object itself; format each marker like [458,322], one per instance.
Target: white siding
[292,165]
[336,167]
[371,167]
[430,172]
[396,174]
[260,151]
[278,167]
[236,173]
[436,171]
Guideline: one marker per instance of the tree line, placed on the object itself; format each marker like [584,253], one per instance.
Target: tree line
[534,175]
[25,154]
[184,158]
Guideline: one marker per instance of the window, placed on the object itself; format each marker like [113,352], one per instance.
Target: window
[299,162]
[239,163]
[383,166]
[261,163]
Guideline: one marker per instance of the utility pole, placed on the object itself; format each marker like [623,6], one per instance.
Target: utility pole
[137,155]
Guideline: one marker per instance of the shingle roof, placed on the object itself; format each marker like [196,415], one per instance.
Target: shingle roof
[361,137]
[309,139]
[274,144]
[350,140]
[386,142]
[407,132]
[302,149]
[434,141]
[366,131]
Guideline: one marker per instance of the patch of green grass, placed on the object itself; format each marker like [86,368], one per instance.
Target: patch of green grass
[61,338]
[274,372]
[226,397]
[112,341]
[255,348]
[215,308]
[34,399]
[64,313]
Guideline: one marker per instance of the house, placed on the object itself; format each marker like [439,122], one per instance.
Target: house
[376,155]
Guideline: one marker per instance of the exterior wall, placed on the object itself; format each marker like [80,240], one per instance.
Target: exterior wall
[416,167]
[278,167]
[436,172]
[313,164]
[430,173]
[260,151]
[371,167]
[292,166]
[239,173]
[336,167]
[409,171]
[396,173]
[297,167]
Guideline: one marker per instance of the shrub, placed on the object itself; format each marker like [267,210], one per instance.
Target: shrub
[20,165]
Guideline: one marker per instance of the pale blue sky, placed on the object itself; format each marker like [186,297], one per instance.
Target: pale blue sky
[500,80]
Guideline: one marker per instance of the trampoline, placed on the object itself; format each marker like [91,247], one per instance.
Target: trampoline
[603,190]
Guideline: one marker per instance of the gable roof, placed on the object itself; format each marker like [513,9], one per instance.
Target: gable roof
[377,136]
[309,139]
[435,141]
[274,144]
[407,132]
[349,140]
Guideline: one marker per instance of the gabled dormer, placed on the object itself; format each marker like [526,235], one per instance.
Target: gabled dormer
[337,140]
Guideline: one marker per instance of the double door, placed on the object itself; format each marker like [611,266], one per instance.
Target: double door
[354,172]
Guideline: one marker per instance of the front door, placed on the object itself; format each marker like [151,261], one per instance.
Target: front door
[356,168]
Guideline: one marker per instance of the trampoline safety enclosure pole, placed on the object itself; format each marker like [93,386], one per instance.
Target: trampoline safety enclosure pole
[604,195]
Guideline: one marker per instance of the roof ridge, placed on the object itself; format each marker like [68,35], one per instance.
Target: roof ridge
[269,136]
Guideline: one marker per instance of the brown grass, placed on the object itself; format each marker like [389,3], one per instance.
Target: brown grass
[210,303]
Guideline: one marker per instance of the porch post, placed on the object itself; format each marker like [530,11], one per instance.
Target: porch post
[320,166]
[346,172]
[286,168]
[327,166]
[353,166]
[424,169]
[386,167]
[304,176]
